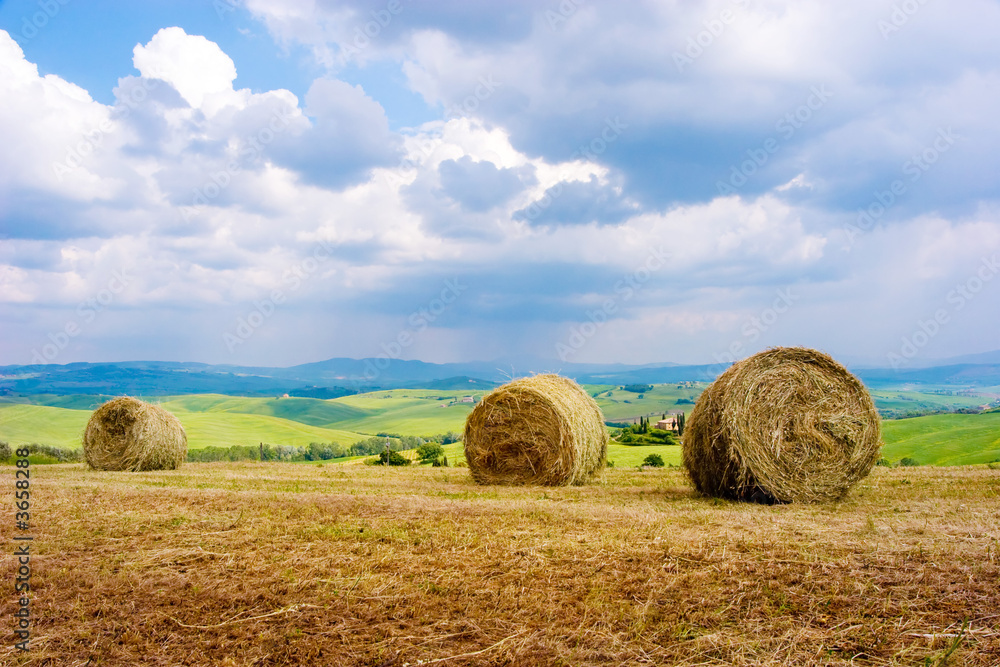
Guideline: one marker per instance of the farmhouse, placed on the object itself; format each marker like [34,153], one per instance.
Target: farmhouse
[668,424]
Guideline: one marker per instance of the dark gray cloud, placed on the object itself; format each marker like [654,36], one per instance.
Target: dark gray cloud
[480,186]
[689,125]
[578,203]
[349,137]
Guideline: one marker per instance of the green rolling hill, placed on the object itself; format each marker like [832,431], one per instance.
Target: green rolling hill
[47,425]
[663,398]
[219,420]
[944,439]
[311,411]
[223,429]
[409,411]
[61,427]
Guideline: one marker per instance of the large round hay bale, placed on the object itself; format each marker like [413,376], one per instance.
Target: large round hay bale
[537,430]
[128,434]
[788,424]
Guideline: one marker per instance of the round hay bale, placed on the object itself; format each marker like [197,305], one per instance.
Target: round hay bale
[128,434]
[788,424]
[537,430]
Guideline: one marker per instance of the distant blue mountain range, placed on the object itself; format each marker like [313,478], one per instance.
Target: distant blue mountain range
[341,376]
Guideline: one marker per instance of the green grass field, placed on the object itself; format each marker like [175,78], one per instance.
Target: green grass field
[906,400]
[23,424]
[311,411]
[223,421]
[408,411]
[944,439]
[621,455]
[660,400]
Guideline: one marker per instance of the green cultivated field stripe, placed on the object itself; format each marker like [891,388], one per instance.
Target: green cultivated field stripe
[312,411]
[944,439]
[622,455]
[60,427]
[222,421]
[21,424]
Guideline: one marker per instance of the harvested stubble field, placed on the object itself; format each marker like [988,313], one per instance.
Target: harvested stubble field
[274,564]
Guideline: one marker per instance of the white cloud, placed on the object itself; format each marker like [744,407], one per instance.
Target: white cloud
[193,65]
[217,197]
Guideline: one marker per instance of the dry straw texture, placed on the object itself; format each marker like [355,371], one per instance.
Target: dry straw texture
[789,422]
[128,434]
[537,430]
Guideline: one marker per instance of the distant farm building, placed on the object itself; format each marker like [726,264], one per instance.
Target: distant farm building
[467,399]
[668,424]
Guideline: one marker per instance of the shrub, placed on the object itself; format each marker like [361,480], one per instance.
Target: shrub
[5,451]
[323,451]
[654,461]
[429,451]
[884,462]
[250,453]
[907,462]
[390,458]
[56,454]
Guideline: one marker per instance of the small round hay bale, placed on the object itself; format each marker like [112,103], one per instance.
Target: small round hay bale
[788,424]
[128,434]
[537,430]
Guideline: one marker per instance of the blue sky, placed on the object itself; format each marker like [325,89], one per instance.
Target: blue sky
[277,182]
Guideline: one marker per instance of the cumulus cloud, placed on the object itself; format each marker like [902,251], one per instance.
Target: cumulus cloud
[576,142]
[349,137]
[579,203]
[194,66]
[702,84]
[480,186]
